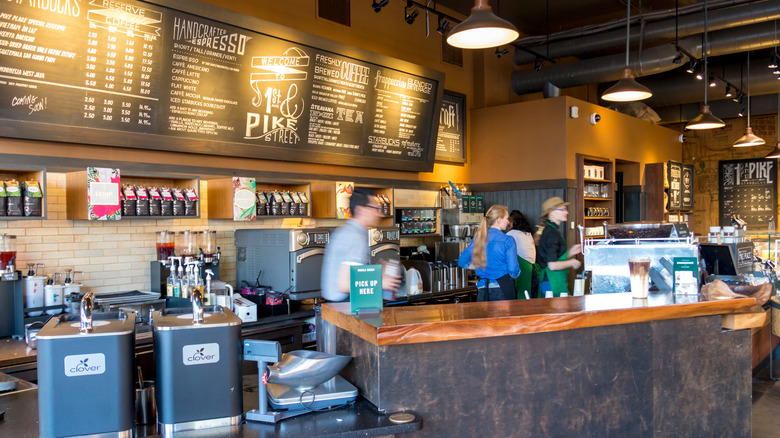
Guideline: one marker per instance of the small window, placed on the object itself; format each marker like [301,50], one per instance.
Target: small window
[334,10]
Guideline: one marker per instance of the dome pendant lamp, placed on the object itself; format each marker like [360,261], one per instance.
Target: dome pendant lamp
[482,29]
[705,120]
[776,153]
[749,139]
[627,89]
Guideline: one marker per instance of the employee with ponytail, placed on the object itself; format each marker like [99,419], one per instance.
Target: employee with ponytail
[493,255]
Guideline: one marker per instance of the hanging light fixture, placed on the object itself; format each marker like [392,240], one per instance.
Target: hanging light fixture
[749,139]
[705,119]
[627,89]
[776,153]
[482,29]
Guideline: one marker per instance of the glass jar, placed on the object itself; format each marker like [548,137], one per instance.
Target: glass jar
[166,245]
[186,244]
[7,251]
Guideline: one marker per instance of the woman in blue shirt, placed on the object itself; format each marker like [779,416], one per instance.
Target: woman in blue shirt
[493,255]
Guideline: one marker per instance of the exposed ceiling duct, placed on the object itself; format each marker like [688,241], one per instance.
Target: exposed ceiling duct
[652,33]
[653,60]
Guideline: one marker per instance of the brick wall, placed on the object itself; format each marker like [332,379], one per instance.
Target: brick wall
[115,255]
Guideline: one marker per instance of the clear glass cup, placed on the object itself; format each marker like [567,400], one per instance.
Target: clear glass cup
[639,271]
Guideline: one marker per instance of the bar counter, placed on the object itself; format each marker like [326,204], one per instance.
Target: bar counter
[598,365]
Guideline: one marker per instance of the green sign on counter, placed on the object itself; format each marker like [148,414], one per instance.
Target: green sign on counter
[686,273]
[365,287]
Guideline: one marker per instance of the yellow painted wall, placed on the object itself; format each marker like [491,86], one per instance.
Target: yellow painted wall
[537,140]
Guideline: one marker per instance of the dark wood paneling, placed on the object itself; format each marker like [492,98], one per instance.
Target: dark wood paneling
[334,10]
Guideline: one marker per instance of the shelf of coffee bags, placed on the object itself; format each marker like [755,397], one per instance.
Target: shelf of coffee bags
[324,201]
[160,197]
[22,194]
[109,185]
[245,199]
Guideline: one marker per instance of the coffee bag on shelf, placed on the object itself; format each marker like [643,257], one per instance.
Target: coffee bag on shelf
[166,205]
[178,202]
[14,198]
[33,199]
[142,205]
[190,202]
[262,204]
[155,202]
[3,199]
[129,201]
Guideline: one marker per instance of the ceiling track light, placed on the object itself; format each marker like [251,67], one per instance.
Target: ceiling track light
[378,5]
[728,91]
[741,112]
[627,89]
[705,119]
[409,17]
[713,81]
[699,75]
[538,63]
[691,66]
[482,29]
[678,58]
[443,25]
[773,60]
[749,139]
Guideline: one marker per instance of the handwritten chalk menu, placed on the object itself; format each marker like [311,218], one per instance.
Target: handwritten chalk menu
[748,188]
[686,191]
[451,140]
[674,180]
[168,79]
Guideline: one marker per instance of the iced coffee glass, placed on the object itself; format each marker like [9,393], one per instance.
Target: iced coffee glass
[639,269]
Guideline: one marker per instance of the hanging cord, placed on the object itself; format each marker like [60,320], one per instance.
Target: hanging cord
[628,28]
[748,89]
[706,76]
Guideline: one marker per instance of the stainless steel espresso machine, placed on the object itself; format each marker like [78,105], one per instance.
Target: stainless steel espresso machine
[287,260]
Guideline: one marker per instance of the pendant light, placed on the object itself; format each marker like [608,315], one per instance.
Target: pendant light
[627,89]
[482,29]
[705,120]
[776,153]
[749,139]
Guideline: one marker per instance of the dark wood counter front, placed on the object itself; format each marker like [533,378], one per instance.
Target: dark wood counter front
[446,322]
[596,366]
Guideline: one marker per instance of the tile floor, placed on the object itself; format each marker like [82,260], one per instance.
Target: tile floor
[766,403]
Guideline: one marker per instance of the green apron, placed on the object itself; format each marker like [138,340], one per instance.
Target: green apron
[523,282]
[559,280]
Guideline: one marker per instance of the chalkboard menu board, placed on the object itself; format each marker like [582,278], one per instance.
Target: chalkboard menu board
[748,188]
[451,141]
[145,75]
[679,179]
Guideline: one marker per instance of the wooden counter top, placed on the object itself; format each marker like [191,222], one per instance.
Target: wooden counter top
[445,322]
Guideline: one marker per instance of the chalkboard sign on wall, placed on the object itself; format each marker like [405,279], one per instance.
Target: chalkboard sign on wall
[748,188]
[451,141]
[198,78]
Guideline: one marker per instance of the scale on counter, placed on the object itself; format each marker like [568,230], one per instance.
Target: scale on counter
[295,386]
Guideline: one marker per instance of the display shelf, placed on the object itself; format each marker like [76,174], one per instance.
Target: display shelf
[220,194]
[26,174]
[77,196]
[656,196]
[602,188]
[324,201]
[418,221]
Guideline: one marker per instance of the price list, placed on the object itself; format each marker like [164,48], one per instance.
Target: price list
[120,66]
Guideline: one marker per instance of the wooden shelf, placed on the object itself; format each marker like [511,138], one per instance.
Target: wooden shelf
[22,175]
[221,197]
[583,202]
[323,200]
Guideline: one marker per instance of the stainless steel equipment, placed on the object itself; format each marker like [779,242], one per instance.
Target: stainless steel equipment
[384,243]
[287,260]
[198,367]
[300,381]
[85,374]
[607,259]
[11,305]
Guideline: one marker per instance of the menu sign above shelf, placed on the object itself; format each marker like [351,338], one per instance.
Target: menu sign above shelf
[163,78]
[748,189]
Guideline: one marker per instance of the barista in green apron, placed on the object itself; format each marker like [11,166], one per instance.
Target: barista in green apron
[552,253]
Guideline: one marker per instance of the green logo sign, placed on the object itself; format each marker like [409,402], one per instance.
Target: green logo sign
[365,287]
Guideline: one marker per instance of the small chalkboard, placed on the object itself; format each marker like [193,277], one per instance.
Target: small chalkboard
[748,188]
[451,140]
